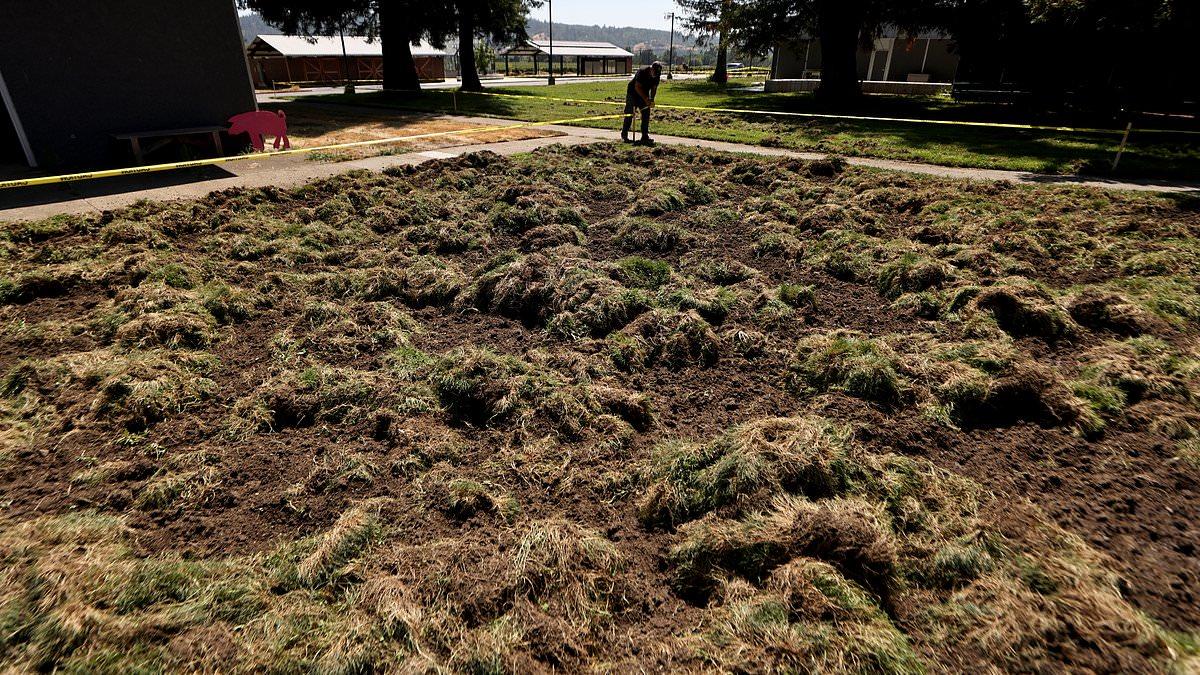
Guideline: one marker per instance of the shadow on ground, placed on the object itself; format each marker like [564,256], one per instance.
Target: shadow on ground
[36,195]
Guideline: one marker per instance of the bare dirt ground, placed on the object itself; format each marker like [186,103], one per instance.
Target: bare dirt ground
[314,125]
[604,408]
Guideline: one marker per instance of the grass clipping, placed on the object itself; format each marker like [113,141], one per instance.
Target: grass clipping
[812,554]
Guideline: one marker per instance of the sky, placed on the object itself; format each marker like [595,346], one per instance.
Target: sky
[639,13]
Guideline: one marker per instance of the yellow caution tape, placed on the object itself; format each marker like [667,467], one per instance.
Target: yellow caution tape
[131,171]
[861,118]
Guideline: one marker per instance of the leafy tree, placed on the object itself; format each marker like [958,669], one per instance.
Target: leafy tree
[842,26]
[501,21]
[708,18]
[398,24]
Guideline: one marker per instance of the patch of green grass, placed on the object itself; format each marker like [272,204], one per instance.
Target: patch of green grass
[798,296]
[638,272]
[1049,151]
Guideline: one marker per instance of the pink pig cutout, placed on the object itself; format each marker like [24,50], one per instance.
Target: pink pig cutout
[261,123]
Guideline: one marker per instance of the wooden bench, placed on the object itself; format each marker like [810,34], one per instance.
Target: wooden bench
[164,137]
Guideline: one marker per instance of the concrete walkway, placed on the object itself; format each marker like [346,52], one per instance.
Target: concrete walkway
[107,194]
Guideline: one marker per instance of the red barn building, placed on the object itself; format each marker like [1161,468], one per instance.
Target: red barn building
[279,59]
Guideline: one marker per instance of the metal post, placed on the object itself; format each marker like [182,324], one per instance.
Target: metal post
[13,117]
[1124,141]
[671,58]
[550,21]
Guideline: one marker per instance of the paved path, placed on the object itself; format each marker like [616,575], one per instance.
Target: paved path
[101,195]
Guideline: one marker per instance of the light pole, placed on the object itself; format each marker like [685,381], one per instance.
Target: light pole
[671,58]
[550,9]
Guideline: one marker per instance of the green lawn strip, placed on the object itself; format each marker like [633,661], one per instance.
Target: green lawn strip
[1042,151]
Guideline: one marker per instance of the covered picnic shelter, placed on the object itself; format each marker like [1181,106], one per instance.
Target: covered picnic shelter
[589,58]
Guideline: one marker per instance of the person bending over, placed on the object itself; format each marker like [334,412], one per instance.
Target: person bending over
[639,95]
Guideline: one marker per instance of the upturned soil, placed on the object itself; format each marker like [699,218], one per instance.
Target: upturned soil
[480,351]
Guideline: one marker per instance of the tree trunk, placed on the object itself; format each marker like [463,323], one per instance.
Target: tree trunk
[721,72]
[399,68]
[466,50]
[839,23]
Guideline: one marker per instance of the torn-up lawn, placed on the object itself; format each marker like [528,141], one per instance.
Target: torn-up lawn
[604,408]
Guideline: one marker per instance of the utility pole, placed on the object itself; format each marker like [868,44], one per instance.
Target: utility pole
[550,9]
[346,76]
[671,58]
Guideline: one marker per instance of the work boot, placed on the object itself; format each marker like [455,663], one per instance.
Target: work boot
[645,140]
[625,139]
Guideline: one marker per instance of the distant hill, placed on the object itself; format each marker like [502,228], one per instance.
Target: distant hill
[252,24]
[621,36]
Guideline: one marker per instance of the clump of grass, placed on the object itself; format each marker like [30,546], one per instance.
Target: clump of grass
[419,281]
[720,271]
[658,203]
[811,618]
[173,328]
[742,468]
[1117,374]
[1100,310]
[747,343]
[697,193]
[1024,309]
[173,274]
[573,296]
[137,389]
[641,234]
[847,532]
[988,383]
[346,330]
[798,296]
[911,272]
[552,235]
[714,218]
[779,244]
[485,388]
[228,304]
[344,541]
[896,531]
[1173,298]
[638,272]
[302,397]
[674,339]
[46,282]
[463,498]
[568,567]
[850,362]
[714,304]
[844,254]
